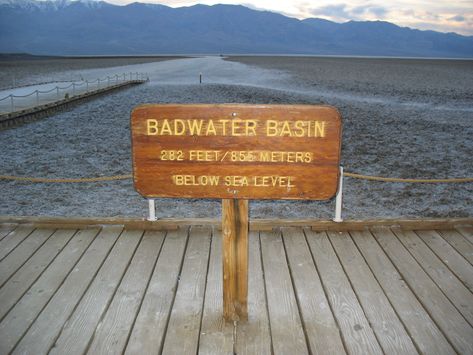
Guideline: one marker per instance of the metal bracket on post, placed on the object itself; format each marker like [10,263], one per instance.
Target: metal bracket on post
[339,199]
[152,210]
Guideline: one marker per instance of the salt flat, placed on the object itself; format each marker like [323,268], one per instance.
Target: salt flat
[395,125]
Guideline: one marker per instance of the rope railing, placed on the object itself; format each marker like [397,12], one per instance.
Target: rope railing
[109,80]
[407,180]
[129,176]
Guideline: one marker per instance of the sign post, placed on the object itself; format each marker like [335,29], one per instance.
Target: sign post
[236,153]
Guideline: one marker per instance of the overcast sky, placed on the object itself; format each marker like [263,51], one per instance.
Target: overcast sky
[439,15]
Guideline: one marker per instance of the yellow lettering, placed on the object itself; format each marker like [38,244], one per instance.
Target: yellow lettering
[224,126]
[192,180]
[195,127]
[307,157]
[285,130]
[166,128]
[271,128]
[151,127]
[251,127]
[319,130]
[211,129]
[214,180]
[236,127]
[264,156]
[179,127]
[299,129]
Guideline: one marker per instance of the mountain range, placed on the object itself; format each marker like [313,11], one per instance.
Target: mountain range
[88,27]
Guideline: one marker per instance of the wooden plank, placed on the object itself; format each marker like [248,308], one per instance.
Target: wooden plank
[150,325]
[253,336]
[422,329]
[45,329]
[18,320]
[22,253]
[21,281]
[357,333]
[6,228]
[13,239]
[236,151]
[466,231]
[112,334]
[320,326]
[77,333]
[451,286]
[235,259]
[389,330]
[459,243]
[284,319]
[455,262]
[255,224]
[182,335]
[449,320]
[216,335]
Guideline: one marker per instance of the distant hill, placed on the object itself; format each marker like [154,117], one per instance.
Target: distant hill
[89,27]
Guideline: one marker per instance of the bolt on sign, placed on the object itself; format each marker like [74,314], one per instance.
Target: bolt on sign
[236,151]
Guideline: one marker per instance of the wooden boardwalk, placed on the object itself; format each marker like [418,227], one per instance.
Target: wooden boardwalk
[32,110]
[113,290]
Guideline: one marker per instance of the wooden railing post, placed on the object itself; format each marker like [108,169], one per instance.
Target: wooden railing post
[235,259]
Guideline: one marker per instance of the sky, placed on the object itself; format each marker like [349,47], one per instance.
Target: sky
[438,15]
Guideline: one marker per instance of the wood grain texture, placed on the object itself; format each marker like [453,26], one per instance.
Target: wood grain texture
[320,327]
[447,281]
[422,329]
[62,304]
[216,335]
[235,259]
[253,336]
[6,228]
[182,335]
[77,333]
[20,317]
[315,178]
[149,330]
[21,281]
[455,262]
[53,297]
[357,333]
[13,239]
[389,330]
[266,224]
[449,320]
[286,326]
[460,243]
[112,334]
[466,231]
[20,255]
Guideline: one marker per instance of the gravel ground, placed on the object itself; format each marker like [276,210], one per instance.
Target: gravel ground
[401,118]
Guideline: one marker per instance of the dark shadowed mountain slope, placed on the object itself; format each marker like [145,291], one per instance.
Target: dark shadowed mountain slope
[67,27]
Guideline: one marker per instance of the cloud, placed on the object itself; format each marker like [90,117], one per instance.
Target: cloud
[458,18]
[338,11]
[378,11]
[344,12]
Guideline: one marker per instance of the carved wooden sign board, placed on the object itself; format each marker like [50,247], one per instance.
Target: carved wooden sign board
[236,151]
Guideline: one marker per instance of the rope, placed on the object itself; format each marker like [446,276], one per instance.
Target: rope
[129,176]
[109,79]
[422,181]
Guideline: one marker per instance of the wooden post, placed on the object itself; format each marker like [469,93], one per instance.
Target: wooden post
[235,259]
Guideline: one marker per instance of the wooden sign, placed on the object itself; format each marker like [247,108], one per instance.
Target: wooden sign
[236,151]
